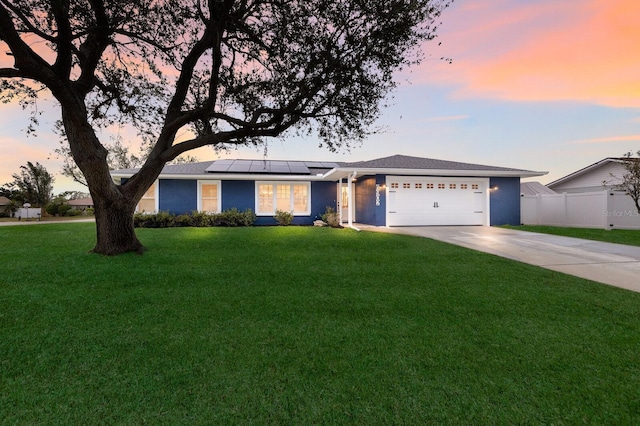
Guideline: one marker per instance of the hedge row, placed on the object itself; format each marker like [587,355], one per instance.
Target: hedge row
[232,217]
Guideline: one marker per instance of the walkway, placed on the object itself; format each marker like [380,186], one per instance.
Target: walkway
[614,264]
[44,222]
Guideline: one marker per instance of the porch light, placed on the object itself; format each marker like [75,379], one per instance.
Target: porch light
[493,188]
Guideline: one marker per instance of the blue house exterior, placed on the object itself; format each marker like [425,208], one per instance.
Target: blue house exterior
[391,191]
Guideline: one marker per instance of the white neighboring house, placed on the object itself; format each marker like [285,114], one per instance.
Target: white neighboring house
[81,204]
[4,203]
[604,174]
[586,198]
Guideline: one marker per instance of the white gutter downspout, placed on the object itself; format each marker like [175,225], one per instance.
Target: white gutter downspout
[350,196]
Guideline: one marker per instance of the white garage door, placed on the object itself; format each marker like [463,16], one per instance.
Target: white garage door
[422,201]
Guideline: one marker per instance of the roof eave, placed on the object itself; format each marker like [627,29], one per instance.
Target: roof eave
[227,176]
[342,172]
[584,170]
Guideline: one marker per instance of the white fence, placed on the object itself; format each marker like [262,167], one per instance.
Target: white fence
[28,214]
[602,209]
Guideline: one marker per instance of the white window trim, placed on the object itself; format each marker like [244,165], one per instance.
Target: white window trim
[209,182]
[275,194]
[156,199]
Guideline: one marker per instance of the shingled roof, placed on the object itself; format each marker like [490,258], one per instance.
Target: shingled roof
[330,170]
[416,163]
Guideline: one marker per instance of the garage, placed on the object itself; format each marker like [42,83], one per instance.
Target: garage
[424,201]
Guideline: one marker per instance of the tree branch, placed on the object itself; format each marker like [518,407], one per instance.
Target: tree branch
[62,66]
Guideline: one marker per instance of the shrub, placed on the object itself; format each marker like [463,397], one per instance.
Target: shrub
[90,211]
[63,209]
[234,217]
[144,220]
[73,212]
[201,219]
[52,208]
[331,217]
[283,218]
[182,220]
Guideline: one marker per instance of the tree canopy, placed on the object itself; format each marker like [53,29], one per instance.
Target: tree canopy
[33,185]
[222,72]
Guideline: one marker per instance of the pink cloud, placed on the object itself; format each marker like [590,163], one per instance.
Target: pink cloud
[544,51]
[625,138]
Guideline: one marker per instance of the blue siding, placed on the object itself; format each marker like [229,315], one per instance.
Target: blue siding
[366,200]
[505,201]
[366,209]
[323,195]
[177,196]
[240,194]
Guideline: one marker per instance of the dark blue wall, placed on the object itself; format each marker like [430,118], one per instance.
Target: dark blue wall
[366,209]
[365,200]
[240,194]
[178,196]
[323,195]
[505,201]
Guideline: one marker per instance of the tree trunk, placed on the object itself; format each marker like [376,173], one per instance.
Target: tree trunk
[115,230]
[114,205]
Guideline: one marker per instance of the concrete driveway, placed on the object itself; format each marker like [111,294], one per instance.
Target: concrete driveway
[614,264]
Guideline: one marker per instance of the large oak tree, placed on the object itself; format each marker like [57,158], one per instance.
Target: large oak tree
[231,72]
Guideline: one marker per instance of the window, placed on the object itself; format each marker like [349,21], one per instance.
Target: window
[148,202]
[441,186]
[474,186]
[394,185]
[406,185]
[285,196]
[265,199]
[209,196]
[429,186]
[452,186]
[418,186]
[463,186]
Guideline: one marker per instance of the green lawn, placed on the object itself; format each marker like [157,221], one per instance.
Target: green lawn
[618,236]
[304,325]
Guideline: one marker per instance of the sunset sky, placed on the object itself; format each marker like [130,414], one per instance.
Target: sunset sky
[541,85]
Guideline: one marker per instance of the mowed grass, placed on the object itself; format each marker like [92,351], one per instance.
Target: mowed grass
[302,325]
[617,236]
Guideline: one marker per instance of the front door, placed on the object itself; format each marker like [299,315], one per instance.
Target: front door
[344,201]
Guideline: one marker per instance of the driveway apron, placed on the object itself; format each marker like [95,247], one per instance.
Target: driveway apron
[614,264]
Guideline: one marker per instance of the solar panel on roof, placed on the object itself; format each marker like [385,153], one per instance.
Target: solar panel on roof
[258,167]
[280,168]
[219,166]
[298,168]
[240,167]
